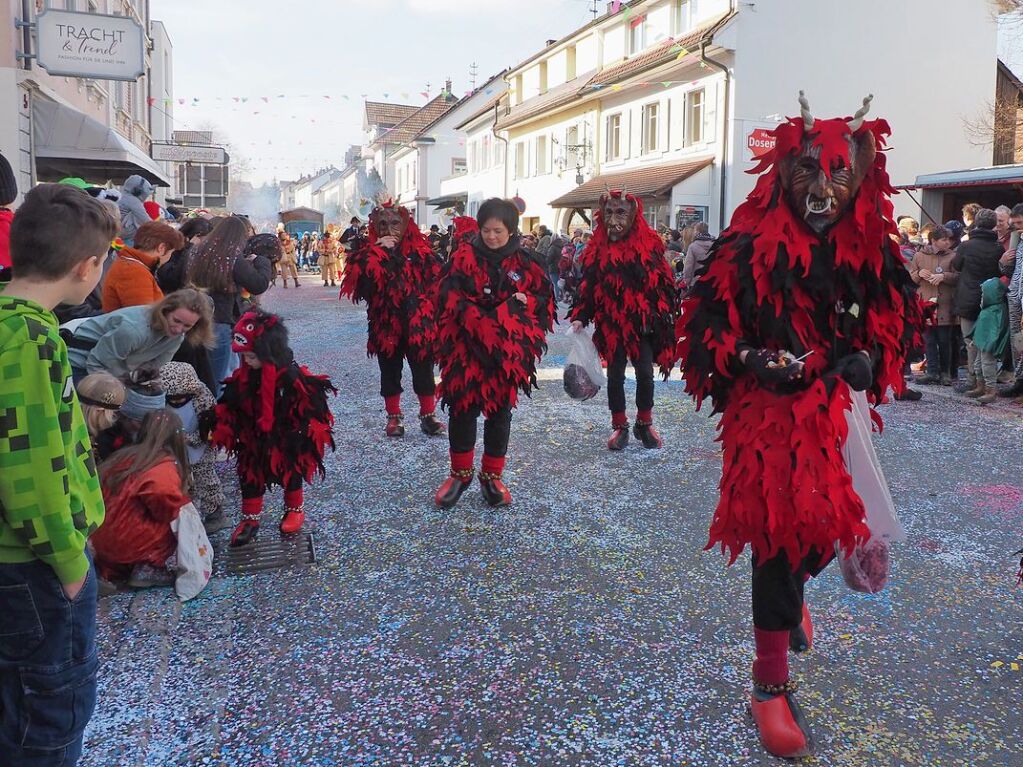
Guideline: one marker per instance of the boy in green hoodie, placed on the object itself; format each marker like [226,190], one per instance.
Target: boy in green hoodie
[50,499]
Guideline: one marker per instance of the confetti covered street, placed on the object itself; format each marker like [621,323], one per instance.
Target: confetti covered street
[584,625]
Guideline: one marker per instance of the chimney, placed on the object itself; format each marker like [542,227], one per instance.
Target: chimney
[447,86]
[551,42]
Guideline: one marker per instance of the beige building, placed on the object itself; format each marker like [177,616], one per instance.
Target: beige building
[54,126]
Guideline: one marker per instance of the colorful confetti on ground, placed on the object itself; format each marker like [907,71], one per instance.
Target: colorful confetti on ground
[582,626]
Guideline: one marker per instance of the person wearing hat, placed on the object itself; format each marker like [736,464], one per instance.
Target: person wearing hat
[275,419]
[134,192]
[8,194]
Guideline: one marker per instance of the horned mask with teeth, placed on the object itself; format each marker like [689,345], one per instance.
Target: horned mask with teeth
[821,178]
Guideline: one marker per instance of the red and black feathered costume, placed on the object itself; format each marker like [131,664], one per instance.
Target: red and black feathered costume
[276,421]
[628,292]
[489,343]
[399,287]
[815,276]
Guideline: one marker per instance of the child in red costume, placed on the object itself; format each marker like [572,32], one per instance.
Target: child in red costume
[496,306]
[274,418]
[396,273]
[803,302]
[628,292]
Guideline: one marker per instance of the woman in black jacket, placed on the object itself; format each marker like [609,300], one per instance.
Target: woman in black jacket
[219,267]
[976,261]
[171,276]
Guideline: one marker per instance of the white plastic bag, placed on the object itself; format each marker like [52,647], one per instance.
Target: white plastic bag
[195,554]
[584,376]
[866,569]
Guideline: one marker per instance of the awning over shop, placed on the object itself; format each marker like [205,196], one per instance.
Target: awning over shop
[651,181]
[70,143]
[997,175]
[449,200]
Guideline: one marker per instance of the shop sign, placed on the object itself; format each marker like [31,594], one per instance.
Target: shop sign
[90,45]
[209,155]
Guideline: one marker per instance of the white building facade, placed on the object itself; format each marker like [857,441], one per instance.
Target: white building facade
[54,126]
[671,98]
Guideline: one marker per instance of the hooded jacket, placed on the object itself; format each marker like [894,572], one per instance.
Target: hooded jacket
[50,498]
[134,192]
[991,333]
[976,260]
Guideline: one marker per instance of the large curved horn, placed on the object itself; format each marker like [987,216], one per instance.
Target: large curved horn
[857,120]
[625,190]
[804,110]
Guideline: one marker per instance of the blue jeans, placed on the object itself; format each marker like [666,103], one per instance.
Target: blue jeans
[47,666]
[223,361]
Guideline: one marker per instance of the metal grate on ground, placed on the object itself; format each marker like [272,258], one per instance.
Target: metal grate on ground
[271,553]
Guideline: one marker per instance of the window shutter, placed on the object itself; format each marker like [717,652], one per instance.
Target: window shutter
[710,110]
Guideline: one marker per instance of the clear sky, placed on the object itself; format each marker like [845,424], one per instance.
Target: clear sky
[304,51]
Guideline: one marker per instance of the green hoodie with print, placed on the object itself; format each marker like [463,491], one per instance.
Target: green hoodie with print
[50,497]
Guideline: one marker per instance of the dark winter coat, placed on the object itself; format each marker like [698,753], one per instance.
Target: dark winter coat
[253,276]
[976,261]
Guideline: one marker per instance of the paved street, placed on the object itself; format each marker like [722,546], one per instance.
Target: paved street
[584,625]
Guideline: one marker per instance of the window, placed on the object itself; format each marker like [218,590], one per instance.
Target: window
[695,116]
[458,166]
[543,77]
[498,153]
[541,155]
[651,127]
[684,13]
[614,137]
[637,35]
[474,163]
[485,153]
[520,159]
[572,147]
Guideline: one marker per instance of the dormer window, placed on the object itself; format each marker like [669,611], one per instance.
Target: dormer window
[637,35]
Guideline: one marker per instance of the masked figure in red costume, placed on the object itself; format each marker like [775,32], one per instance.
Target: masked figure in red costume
[628,292]
[495,308]
[274,418]
[396,273]
[803,302]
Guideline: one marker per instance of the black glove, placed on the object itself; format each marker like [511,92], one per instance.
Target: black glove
[758,362]
[856,370]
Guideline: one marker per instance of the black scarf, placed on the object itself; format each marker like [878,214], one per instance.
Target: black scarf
[496,256]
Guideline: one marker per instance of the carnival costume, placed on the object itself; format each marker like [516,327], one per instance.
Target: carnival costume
[289,262]
[628,292]
[488,346]
[275,420]
[806,269]
[399,287]
[329,260]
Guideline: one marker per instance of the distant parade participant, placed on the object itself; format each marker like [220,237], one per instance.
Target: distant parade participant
[396,273]
[628,292]
[288,265]
[275,419]
[496,306]
[801,317]
[329,260]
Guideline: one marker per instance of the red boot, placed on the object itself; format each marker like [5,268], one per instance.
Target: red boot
[494,490]
[645,431]
[293,520]
[780,722]
[246,531]
[451,489]
[394,428]
[294,512]
[620,432]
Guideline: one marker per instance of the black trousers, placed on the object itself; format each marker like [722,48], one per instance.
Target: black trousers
[391,370]
[778,589]
[940,359]
[644,377]
[255,491]
[496,431]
